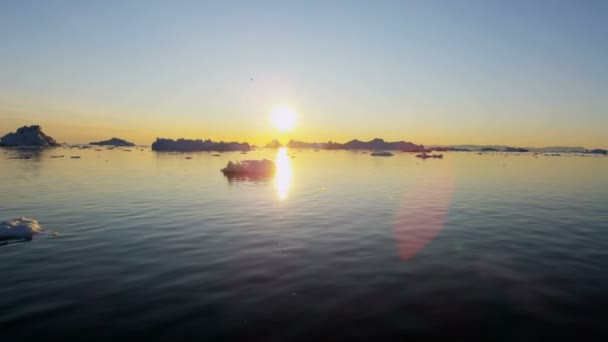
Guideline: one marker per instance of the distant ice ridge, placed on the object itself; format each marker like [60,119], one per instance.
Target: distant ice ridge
[382,154]
[197,145]
[250,168]
[19,228]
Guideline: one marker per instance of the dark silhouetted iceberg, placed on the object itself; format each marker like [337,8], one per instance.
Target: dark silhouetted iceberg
[197,145]
[596,151]
[28,136]
[380,144]
[113,142]
[375,144]
[382,154]
[516,149]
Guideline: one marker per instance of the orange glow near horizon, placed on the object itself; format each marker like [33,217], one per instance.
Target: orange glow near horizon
[258,132]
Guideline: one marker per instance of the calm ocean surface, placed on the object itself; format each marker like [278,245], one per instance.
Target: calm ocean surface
[339,245]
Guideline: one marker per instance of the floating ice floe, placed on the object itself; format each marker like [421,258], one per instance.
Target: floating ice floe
[19,228]
[250,168]
[425,156]
[382,154]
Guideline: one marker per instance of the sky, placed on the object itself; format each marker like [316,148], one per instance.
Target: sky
[521,73]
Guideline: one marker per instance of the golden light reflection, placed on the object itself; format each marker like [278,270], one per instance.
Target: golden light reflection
[284,173]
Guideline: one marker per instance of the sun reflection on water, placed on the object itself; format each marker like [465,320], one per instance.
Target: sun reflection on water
[284,173]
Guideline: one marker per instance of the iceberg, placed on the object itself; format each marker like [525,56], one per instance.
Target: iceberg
[197,145]
[380,144]
[374,144]
[596,151]
[516,149]
[28,136]
[425,155]
[113,142]
[274,144]
[382,154]
[19,228]
[250,168]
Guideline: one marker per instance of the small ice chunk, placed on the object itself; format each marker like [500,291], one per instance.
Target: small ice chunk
[19,228]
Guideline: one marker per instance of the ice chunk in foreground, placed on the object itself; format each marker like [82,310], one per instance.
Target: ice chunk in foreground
[19,228]
[250,168]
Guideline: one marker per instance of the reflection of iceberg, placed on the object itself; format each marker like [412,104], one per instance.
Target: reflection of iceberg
[282,179]
[20,228]
[250,168]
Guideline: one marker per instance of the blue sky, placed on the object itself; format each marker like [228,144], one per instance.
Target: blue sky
[526,73]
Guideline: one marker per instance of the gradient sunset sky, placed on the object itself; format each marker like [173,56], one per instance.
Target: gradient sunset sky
[522,73]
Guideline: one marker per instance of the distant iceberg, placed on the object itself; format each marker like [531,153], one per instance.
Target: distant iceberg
[113,142]
[302,144]
[274,144]
[374,144]
[250,168]
[596,151]
[382,154]
[19,228]
[197,145]
[28,136]
[516,149]
[426,156]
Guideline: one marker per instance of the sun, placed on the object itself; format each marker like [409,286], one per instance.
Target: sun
[283,118]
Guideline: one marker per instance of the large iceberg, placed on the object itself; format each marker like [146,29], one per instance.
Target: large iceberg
[19,228]
[28,136]
[197,145]
[250,168]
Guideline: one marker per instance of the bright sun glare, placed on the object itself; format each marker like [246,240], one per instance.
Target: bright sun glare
[283,118]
